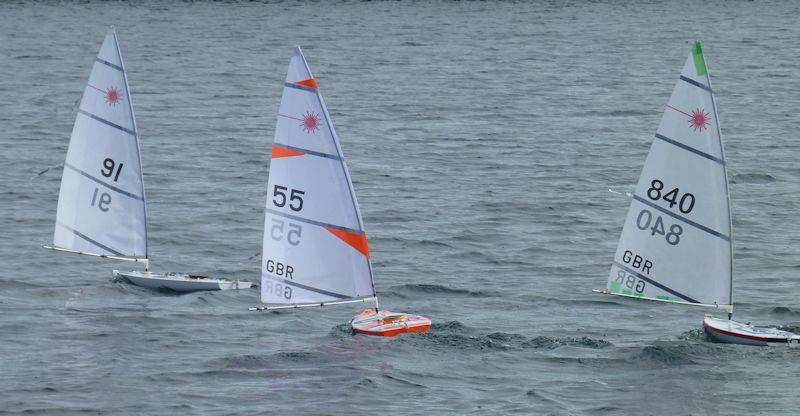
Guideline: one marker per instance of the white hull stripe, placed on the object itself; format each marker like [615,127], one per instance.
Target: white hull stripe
[695,83]
[104,62]
[309,288]
[681,218]
[113,188]
[79,234]
[691,149]
[300,87]
[308,152]
[312,222]
[654,283]
[104,121]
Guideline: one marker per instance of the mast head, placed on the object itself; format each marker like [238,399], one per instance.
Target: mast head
[699,60]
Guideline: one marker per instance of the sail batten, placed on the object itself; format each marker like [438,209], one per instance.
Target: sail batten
[690,149]
[315,250]
[676,241]
[101,203]
[312,222]
[696,84]
[306,151]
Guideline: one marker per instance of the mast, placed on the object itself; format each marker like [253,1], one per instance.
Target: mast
[698,56]
[138,147]
[329,121]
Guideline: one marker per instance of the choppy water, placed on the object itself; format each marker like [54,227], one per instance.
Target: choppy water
[482,139]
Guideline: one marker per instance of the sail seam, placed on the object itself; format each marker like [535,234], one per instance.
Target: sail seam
[312,222]
[309,152]
[300,87]
[79,234]
[654,283]
[104,121]
[309,288]
[678,217]
[695,83]
[691,149]
[113,188]
[104,62]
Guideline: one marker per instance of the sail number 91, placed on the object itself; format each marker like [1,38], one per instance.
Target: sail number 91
[110,168]
[644,220]
[685,203]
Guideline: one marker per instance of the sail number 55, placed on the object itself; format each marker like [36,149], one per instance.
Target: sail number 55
[295,198]
[279,231]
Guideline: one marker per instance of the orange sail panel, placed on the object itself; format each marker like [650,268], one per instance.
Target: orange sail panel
[310,83]
[283,152]
[355,240]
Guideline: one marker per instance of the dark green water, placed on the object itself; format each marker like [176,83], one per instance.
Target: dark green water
[482,139]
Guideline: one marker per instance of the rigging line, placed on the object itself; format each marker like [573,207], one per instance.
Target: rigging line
[680,111]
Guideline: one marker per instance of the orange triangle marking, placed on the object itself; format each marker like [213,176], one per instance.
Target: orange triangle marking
[282,152]
[357,241]
[310,83]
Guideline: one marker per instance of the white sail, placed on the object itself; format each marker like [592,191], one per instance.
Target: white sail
[101,205]
[676,242]
[315,248]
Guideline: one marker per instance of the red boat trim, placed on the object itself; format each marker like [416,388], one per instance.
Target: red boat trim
[752,337]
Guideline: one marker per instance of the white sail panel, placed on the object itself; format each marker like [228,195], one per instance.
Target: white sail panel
[101,205]
[313,185]
[302,123]
[308,263]
[314,249]
[676,242]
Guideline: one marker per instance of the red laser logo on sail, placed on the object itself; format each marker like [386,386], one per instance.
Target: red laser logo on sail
[112,96]
[699,119]
[310,122]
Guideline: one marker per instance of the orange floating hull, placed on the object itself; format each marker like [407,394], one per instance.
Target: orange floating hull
[388,324]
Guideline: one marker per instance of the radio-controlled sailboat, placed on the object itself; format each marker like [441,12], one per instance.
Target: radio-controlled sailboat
[101,204]
[315,249]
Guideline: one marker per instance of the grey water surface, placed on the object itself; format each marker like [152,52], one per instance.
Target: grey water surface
[482,138]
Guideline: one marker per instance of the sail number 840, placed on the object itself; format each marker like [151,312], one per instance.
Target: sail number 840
[645,219]
[685,203]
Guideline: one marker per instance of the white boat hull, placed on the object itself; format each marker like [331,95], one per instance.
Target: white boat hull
[179,282]
[732,332]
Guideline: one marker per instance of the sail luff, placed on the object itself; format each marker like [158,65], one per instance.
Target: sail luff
[346,171]
[699,52]
[136,137]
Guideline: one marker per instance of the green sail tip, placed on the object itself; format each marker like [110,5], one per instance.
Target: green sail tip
[699,61]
